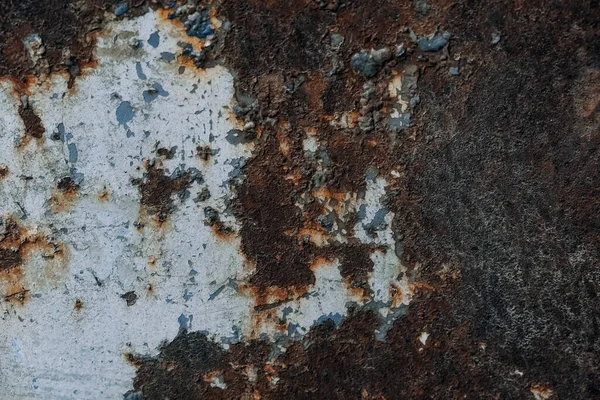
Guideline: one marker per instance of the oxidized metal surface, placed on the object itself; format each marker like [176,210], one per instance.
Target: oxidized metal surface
[264,199]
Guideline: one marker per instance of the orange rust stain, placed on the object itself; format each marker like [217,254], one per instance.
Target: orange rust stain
[104,196]
[396,294]
[23,85]
[61,202]
[78,305]
[325,193]
[63,198]
[268,368]
[132,360]
[357,292]
[422,286]
[3,171]
[294,177]
[16,293]
[84,69]
[284,144]
[211,376]
[541,392]
[222,232]
[319,262]
[152,262]
[267,301]
[26,140]
[317,235]
[145,218]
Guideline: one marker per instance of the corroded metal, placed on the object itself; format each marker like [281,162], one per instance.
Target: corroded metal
[263,199]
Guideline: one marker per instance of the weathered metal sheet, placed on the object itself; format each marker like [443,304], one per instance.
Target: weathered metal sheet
[338,199]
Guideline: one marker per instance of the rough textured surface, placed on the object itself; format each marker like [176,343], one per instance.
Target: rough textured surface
[381,199]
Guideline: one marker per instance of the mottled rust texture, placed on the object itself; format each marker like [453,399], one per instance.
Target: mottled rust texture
[157,190]
[32,123]
[11,243]
[498,204]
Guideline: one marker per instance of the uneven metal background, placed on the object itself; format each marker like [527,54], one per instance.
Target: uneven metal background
[334,199]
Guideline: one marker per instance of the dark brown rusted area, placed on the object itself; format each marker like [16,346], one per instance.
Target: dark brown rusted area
[268,212]
[67,185]
[340,363]
[9,258]
[498,201]
[33,123]
[66,28]
[157,190]
[11,242]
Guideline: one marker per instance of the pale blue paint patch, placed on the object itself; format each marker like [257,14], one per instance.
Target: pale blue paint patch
[154,40]
[167,56]
[125,114]
[140,72]
[72,153]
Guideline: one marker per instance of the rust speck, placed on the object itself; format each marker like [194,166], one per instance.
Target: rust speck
[78,305]
[3,171]
[62,199]
[104,196]
[204,152]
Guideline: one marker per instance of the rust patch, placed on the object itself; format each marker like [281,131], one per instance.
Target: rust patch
[3,171]
[65,30]
[355,361]
[17,245]
[78,305]
[212,218]
[33,125]
[104,196]
[62,200]
[204,152]
[497,175]
[157,190]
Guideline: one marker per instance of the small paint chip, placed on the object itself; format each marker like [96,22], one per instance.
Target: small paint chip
[423,337]
[154,39]
[130,298]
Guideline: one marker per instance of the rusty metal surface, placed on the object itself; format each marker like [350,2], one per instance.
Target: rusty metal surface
[313,199]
